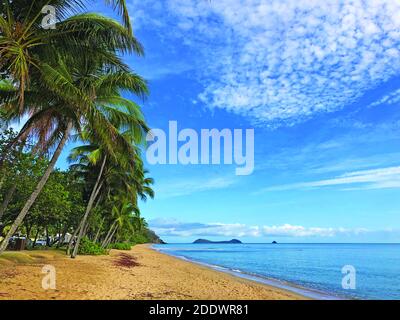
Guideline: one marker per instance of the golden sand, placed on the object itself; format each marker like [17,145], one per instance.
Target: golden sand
[141,273]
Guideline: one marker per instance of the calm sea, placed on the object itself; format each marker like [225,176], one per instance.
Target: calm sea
[311,269]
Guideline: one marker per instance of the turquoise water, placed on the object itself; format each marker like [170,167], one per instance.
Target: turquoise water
[314,269]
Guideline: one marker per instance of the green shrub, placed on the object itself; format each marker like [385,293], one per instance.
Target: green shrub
[88,247]
[121,246]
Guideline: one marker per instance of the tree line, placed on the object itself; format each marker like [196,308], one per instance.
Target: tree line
[70,83]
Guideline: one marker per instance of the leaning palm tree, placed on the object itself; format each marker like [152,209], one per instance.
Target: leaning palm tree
[128,187]
[91,93]
[93,154]
[121,213]
[26,51]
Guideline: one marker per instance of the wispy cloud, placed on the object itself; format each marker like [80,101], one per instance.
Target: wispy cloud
[181,229]
[356,163]
[188,186]
[381,178]
[157,72]
[390,98]
[288,230]
[282,61]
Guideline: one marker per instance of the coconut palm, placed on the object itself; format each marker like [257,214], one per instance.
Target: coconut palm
[122,212]
[27,50]
[91,155]
[138,222]
[81,36]
[124,189]
[25,45]
[38,57]
[120,209]
[90,93]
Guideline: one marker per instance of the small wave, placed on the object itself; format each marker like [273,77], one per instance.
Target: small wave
[278,283]
[182,257]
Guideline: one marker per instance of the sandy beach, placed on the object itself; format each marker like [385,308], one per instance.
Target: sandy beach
[141,273]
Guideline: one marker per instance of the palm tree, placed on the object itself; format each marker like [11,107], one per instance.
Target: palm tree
[138,222]
[90,155]
[118,195]
[121,212]
[122,113]
[100,106]
[124,189]
[81,36]
[25,45]
[86,89]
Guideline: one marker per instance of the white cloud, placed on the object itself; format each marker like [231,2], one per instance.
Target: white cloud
[175,228]
[282,61]
[381,178]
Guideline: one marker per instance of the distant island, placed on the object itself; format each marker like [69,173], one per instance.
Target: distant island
[209,241]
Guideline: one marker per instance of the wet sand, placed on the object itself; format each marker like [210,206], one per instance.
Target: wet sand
[141,273]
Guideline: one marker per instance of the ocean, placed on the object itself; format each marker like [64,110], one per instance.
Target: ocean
[314,270]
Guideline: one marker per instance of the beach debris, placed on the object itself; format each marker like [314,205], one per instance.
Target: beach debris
[126,260]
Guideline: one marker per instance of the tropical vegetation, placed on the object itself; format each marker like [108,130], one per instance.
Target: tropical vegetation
[69,83]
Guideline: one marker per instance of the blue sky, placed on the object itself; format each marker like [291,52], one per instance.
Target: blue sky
[320,84]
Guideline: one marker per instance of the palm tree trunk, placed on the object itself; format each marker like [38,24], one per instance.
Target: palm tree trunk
[61,240]
[105,241]
[46,230]
[71,241]
[36,236]
[7,200]
[28,233]
[98,201]
[37,190]
[98,231]
[86,229]
[113,234]
[108,235]
[55,238]
[2,180]
[92,198]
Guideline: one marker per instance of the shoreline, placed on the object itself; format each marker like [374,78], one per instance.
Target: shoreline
[300,293]
[139,274]
[307,293]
